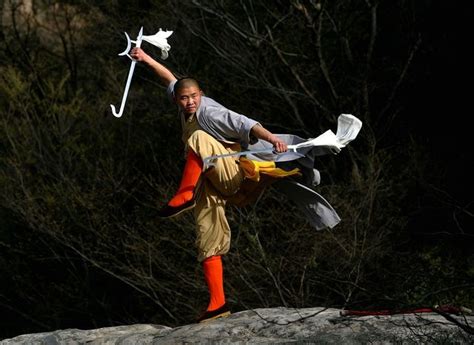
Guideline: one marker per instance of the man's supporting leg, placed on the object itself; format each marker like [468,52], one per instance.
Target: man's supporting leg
[213,241]
[212,229]
[214,275]
[184,197]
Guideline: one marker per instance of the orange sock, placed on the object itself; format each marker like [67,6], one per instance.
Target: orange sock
[213,273]
[192,172]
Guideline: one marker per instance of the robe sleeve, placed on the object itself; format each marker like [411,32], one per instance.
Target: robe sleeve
[226,124]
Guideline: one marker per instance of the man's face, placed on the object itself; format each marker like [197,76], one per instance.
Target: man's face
[188,99]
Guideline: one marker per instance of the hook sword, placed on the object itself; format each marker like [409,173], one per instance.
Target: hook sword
[137,42]
[159,40]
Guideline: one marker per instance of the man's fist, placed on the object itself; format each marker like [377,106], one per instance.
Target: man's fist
[138,54]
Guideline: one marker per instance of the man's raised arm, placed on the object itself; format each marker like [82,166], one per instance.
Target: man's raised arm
[164,73]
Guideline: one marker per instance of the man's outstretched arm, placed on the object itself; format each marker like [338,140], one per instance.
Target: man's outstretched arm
[164,73]
[261,133]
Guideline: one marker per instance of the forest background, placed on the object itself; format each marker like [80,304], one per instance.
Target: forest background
[80,243]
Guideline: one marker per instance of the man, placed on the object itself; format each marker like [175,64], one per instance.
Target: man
[209,129]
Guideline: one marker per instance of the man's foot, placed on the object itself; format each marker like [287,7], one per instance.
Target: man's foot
[168,211]
[221,312]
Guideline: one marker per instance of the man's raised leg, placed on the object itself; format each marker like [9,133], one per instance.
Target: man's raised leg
[184,198]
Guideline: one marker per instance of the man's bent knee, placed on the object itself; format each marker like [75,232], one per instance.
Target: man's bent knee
[200,140]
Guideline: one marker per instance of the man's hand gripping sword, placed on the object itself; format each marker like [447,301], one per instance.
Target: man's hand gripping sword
[160,40]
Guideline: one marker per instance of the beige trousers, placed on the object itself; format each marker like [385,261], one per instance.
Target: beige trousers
[216,186]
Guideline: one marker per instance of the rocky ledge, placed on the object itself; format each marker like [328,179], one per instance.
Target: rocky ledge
[277,326]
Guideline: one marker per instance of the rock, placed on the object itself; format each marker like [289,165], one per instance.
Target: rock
[275,326]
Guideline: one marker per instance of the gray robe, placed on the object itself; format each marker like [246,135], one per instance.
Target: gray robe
[228,126]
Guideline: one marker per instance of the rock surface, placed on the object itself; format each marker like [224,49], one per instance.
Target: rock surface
[275,326]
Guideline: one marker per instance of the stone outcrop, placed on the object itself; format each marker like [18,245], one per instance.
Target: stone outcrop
[277,326]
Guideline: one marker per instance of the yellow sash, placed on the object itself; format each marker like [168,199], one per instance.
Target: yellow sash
[253,169]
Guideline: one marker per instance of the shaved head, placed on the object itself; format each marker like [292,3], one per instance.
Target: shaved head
[186,82]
